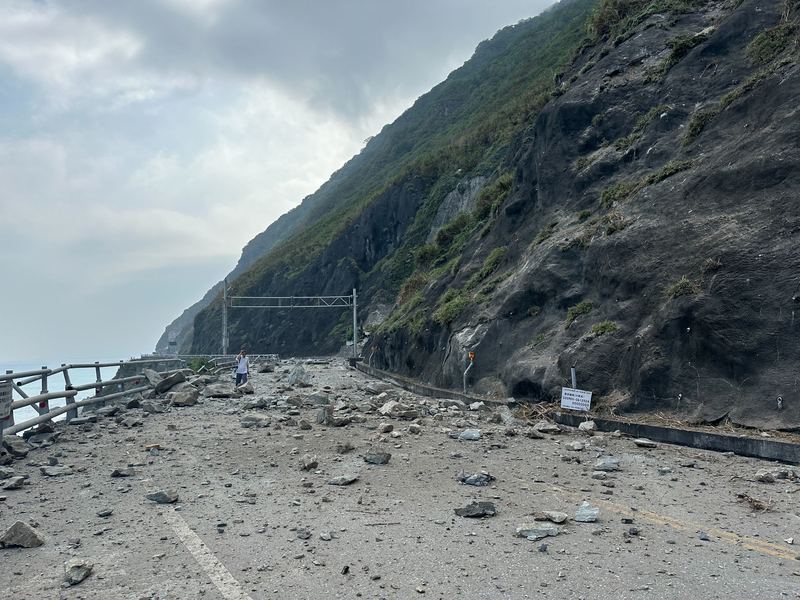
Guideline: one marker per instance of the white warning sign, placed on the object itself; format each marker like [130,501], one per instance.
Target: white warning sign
[575,399]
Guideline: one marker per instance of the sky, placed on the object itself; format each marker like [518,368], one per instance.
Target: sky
[143,143]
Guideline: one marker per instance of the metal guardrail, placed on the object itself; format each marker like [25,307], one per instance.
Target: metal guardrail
[15,381]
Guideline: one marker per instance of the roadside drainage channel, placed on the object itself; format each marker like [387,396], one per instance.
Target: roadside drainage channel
[786,452]
[425,390]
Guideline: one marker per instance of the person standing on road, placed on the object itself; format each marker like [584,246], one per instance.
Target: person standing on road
[242,367]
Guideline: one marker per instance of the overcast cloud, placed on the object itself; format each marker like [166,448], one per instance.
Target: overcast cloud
[144,142]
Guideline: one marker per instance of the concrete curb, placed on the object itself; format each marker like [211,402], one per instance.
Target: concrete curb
[425,390]
[743,446]
[786,452]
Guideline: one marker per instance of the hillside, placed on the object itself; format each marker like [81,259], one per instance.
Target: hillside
[618,191]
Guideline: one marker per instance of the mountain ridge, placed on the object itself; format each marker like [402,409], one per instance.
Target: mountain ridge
[635,217]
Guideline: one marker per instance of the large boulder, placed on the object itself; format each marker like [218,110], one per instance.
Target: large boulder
[153,377]
[22,535]
[220,390]
[299,377]
[246,388]
[169,381]
[76,570]
[16,446]
[186,397]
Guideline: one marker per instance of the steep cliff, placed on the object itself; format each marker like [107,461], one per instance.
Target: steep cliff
[626,203]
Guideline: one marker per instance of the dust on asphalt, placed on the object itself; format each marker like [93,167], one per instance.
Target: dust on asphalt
[349,488]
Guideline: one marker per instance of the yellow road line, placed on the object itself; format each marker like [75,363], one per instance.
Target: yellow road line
[751,543]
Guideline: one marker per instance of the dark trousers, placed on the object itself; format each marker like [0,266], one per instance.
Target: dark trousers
[241,378]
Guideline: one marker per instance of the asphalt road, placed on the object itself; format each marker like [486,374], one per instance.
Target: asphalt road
[249,523]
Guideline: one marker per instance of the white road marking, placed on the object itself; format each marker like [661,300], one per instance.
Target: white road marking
[219,575]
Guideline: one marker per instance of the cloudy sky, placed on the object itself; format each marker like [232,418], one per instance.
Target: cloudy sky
[144,142]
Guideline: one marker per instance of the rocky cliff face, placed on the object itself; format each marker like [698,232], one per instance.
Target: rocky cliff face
[640,222]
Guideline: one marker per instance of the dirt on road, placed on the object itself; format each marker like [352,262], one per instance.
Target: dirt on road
[258,514]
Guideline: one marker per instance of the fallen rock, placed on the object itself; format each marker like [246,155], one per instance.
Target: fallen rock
[588,427]
[317,399]
[507,417]
[587,513]
[46,427]
[124,472]
[153,377]
[344,448]
[135,402]
[308,462]
[576,446]
[774,474]
[415,429]
[373,389]
[131,422]
[398,410]
[324,416]
[470,435]
[385,428]
[163,496]
[477,510]
[107,411]
[452,403]
[266,368]
[477,406]
[169,381]
[531,433]
[477,479]
[607,463]
[377,458]
[537,531]
[42,440]
[256,403]
[220,390]
[153,407]
[6,473]
[304,425]
[22,535]
[5,456]
[299,377]
[551,515]
[343,480]
[255,420]
[76,570]
[547,427]
[645,443]
[186,397]
[83,420]
[14,483]
[56,471]
[389,407]
[246,388]
[16,446]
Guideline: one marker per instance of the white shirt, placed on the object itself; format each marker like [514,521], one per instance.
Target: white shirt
[242,364]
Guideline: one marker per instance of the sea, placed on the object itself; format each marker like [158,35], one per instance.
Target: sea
[56,382]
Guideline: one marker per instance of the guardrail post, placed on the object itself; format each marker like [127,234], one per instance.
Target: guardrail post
[7,420]
[73,412]
[44,405]
[99,389]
